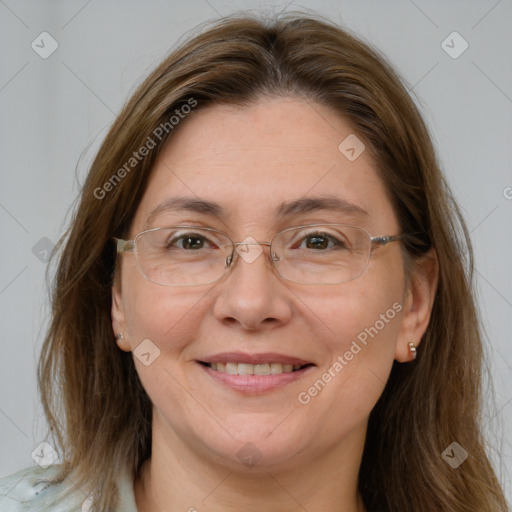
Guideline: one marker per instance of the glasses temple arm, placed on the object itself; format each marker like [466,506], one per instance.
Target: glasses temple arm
[124,245]
[383,240]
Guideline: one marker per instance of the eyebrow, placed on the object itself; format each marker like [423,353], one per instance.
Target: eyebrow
[286,209]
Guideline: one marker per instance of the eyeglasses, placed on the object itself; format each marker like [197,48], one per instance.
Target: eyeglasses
[312,254]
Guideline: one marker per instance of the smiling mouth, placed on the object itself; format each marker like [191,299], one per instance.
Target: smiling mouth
[255,369]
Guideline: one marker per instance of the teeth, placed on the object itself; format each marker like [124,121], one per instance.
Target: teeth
[231,368]
[246,369]
[261,369]
[254,369]
[276,368]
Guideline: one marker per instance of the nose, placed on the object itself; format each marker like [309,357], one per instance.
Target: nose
[245,251]
[252,295]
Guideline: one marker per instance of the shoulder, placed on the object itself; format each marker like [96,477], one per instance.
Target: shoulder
[31,489]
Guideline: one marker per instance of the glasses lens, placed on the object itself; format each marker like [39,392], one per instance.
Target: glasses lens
[321,254]
[181,256]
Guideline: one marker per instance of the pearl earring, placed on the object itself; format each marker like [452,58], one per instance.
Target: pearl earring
[412,350]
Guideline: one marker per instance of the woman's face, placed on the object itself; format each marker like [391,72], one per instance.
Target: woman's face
[249,162]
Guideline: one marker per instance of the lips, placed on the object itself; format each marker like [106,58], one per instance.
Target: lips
[232,368]
[254,359]
[268,364]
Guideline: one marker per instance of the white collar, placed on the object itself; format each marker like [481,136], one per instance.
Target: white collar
[30,489]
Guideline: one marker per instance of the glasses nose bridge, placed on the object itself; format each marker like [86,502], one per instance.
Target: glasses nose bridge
[255,242]
[237,244]
[252,243]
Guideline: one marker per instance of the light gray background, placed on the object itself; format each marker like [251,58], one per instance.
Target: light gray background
[54,113]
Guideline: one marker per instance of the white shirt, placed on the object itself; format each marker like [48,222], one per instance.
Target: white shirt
[28,490]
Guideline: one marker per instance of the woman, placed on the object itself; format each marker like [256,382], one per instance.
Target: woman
[263,246]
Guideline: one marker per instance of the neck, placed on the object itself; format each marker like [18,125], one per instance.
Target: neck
[180,477]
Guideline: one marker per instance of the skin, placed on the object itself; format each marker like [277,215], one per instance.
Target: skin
[250,160]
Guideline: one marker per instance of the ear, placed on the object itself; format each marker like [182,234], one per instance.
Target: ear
[418,302]
[118,317]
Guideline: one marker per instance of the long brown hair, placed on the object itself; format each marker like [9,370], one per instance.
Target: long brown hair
[98,412]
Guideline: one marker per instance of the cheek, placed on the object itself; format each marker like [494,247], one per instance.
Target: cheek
[170,319]
[161,314]
[361,311]
[361,352]
[363,320]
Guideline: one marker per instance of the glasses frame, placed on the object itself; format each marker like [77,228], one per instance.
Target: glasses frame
[123,246]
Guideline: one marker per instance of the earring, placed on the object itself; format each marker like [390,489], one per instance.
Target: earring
[119,336]
[412,350]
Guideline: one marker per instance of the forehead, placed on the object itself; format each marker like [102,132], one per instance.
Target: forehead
[252,160]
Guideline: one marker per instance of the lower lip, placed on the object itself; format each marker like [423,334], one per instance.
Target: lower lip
[255,384]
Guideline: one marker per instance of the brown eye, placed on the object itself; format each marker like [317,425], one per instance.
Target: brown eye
[191,242]
[321,242]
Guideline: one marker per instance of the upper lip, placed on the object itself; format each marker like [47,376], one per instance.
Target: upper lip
[242,357]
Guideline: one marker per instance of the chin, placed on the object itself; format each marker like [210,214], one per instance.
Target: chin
[260,447]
